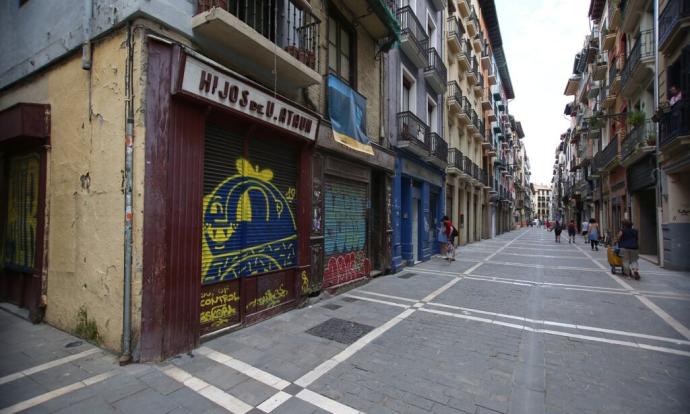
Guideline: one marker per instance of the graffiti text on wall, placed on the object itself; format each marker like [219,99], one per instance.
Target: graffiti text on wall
[269,299]
[218,306]
[248,226]
[346,267]
[22,213]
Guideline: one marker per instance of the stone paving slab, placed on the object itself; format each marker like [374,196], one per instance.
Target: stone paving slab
[493,297]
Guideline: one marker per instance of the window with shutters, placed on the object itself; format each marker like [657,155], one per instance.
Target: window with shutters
[341,47]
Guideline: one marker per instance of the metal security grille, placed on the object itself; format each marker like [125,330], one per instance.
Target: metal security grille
[249,224]
[19,242]
[345,247]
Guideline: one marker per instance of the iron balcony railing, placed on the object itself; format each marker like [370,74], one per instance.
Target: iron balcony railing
[296,30]
[466,107]
[454,93]
[410,25]
[413,130]
[673,13]
[485,178]
[610,153]
[473,17]
[467,165]
[613,71]
[455,27]
[476,174]
[639,136]
[455,158]
[439,147]
[475,119]
[436,64]
[480,79]
[466,46]
[675,123]
[643,49]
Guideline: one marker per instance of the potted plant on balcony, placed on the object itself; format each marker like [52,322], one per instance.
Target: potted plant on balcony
[595,122]
[636,118]
[651,139]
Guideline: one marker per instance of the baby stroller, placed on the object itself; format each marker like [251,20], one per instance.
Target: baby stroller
[614,259]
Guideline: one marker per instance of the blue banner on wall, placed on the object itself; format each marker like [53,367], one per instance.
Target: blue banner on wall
[348,112]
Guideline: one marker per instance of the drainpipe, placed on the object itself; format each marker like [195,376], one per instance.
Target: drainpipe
[659,207]
[86,32]
[126,356]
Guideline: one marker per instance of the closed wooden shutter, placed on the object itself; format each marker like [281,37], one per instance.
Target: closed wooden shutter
[345,247]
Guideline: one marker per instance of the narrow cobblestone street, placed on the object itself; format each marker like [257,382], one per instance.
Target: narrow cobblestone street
[517,324]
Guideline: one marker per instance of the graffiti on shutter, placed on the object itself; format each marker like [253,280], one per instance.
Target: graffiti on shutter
[345,205]
[22,208]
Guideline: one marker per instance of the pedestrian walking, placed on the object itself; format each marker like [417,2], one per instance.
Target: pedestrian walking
[593,234]
[572,231]
[451,233]
[585,229]
[628,244]
[548,225]
[557,228]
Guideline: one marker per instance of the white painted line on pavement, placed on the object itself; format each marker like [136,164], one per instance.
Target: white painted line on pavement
[559,333]
[384,302]
[432,295]
[244,368]
[40,399]
[502,248]
[47,365]
[273,402]
[544,256]
[653,307]
[386,296]
[325,403]
[331,363]
[210,392]
[564,325]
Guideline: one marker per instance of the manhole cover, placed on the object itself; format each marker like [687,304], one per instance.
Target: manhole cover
[340,330]
[407,275]
[348,299]
[332,306]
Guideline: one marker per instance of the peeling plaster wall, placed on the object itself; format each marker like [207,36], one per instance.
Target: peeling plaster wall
[85,201]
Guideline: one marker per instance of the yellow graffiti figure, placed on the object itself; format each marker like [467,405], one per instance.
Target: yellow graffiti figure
[248,226]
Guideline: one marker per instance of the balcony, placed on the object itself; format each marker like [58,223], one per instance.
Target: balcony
[485,179]
[435,73]
[573,85]
[614,78]
[478,42]
[673,23]
[492,75]
[473,126]
[413,134]
[486,102]
[455,162]
[248,38]
[472,23]
[465,115]
[473,71]
[609,40]
[479,87]
[639,67]
[610,157]
[377,17]
[479,133]
[640,141]
[599,70]
[464,57]
[438,150]
[631,10]
[454,98]
[609,100]
[486,59]
[454,33]
[467,166]
[674,128]
[413,38]
[464,8]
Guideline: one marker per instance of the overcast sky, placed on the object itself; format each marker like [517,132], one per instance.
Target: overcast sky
[540,39]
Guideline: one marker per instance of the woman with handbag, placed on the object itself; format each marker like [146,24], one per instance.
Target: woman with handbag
[594,234]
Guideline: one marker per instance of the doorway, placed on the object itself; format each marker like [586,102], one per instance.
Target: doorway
[415,230]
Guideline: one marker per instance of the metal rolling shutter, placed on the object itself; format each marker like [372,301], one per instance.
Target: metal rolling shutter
[345,213]
[220,236]
[272,230]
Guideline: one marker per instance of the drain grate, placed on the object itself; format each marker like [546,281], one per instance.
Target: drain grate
[407,275]
[348,299]
[332,306]
[340,330]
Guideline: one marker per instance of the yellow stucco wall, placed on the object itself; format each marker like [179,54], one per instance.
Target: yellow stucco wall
[85,201]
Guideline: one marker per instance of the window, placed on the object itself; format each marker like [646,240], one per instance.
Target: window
[431,115]
[408,92]
[341,47]
[431,31]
